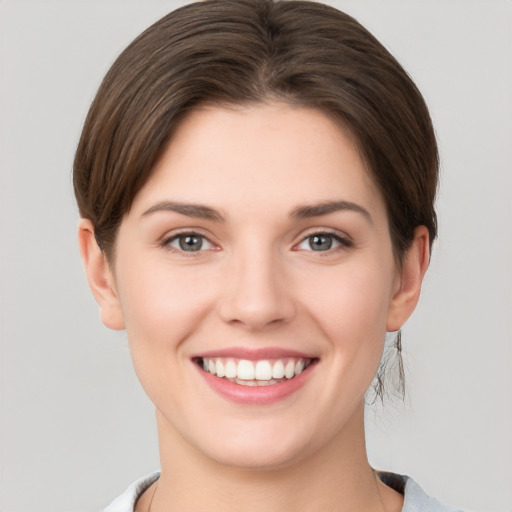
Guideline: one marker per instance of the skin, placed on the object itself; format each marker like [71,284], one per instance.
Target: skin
[257,282]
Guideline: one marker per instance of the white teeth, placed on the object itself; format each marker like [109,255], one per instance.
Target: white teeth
[278,370]
[250,383]
[255,373]
[219,368]
[231,369]
[263,370]
[289,369]
[258,383]
[245,370]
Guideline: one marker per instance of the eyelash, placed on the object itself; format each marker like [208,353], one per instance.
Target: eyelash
[343,242]
[166,243]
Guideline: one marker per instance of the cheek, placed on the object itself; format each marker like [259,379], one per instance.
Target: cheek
[352,302]
[352,312]
[162,307]
[162,304]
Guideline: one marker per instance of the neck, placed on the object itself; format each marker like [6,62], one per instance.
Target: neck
[335,477]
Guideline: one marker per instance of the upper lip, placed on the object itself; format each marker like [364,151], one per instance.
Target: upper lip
[255,354]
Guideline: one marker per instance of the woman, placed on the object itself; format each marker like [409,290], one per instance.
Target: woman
[256,182]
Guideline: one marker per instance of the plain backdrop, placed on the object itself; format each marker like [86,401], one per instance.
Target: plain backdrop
[76,428]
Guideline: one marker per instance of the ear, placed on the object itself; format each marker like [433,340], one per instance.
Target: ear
[100,277]
[407,291]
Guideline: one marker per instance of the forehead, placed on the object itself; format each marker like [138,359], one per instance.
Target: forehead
[260,154]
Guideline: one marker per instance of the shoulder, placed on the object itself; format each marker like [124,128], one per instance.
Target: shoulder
[415,498]
[126,502]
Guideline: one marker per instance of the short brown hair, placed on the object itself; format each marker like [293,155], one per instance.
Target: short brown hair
[236,52]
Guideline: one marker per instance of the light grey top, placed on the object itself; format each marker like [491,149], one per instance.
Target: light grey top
[415,498]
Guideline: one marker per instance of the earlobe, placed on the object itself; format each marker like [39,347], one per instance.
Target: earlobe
[100,277]
[415,264]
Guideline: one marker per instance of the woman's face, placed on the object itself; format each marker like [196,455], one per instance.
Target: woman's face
[260,250]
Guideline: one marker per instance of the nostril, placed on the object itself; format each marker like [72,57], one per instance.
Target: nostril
[255,292]
[255,315]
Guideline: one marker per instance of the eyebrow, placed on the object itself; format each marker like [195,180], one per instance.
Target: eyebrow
[325,208]
[189,209]
[300,212]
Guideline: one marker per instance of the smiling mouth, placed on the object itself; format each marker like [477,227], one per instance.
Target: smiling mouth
[263,372]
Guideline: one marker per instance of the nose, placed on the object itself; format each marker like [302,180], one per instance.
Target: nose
[257,293]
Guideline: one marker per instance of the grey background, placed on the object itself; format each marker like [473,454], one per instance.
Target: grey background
[75,427]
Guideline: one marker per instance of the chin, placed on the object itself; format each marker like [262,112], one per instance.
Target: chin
[257,447]
[257,458]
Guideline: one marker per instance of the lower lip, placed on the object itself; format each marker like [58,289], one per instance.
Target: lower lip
[255,395]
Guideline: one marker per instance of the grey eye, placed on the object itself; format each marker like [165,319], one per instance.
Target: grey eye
[320,242]
[189,242]
[323,242]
